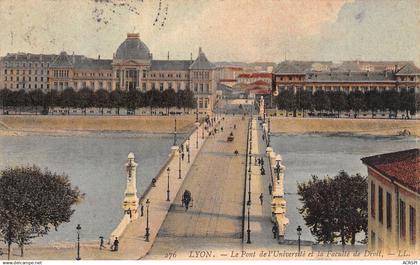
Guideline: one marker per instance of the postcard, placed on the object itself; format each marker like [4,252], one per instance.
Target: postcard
[234,130]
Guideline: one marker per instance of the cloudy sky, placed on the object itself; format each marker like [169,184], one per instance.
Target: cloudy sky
[227,30]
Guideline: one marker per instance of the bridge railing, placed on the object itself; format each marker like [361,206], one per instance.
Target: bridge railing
[245,179]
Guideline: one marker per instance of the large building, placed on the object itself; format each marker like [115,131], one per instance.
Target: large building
[394,201]
[132,67]
[347,76]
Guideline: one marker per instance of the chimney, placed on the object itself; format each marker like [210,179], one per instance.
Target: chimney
[396,68]
[133,36]
[191,56]
[99,56]
[200,51]
[168,55]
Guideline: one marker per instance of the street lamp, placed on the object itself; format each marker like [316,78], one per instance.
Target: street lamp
[78,228]
[269,133]
[278,167]
[179,163]
[168,191]
[196,123]
[188,149]
[299,233]
[175,133]
[249,227]
[147,221]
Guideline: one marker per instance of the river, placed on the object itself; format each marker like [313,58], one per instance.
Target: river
[311,154]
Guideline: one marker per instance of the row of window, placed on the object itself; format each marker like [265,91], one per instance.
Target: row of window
[388,212]
[24,86]
[24,79]
[61,73]
[201,75]
[17,64]
[23,72]
[342,88]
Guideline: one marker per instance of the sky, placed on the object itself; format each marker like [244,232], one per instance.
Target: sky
[227,30]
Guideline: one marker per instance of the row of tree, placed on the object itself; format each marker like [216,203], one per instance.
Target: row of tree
[87,98]
[335,209]
[338,101]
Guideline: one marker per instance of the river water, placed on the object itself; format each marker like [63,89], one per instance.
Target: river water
[321,155]
[96,165]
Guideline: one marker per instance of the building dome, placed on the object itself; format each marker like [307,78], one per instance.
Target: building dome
[133,48]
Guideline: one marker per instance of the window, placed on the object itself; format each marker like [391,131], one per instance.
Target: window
[380,204]
[412,225]
[402,219]
[372,199]
[161,87]
[144,86]
[388,210]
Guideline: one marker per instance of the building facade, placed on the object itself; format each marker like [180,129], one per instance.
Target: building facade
[132,67]
[347,76]
[394,201]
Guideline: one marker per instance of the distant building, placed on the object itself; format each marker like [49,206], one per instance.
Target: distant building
[394,201]
[132,67]
[249,78]
[347,76]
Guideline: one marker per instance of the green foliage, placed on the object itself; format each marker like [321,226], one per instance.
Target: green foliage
[32,201]
[337,101]
[335,208]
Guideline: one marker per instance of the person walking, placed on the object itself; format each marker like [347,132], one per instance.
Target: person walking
[270,189]
[115,245]
[101,243]
[274,230]
[141,209]
[182,155]
[261,198]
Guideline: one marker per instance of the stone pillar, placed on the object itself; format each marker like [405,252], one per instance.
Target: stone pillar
[131,201]
[262,107]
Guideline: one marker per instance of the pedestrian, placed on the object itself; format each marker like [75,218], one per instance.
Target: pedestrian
[261,198]
[182,147]
[182,155]
[262,161]
[274,230]
[141,209]
[262,171]
[130,213]
[101,243]
[270,189]
[115,245]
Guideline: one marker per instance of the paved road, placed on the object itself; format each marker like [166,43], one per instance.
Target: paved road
[216,182]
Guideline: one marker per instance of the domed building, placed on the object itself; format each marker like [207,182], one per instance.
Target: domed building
[134,68]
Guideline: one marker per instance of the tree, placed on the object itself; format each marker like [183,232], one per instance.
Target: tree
[391,99]
[338,101]
[36,98]
[5,97]
[304,100]
[321,101]
[335,207]
[101,99]
[132,99]
[286,100]
[168,99]
[373,101]
[117,99]
[356,101]
[408,101]
[32,201]
[68,99]
[84,98]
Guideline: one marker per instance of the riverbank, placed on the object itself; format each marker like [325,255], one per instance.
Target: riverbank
[345,126]
[17,125]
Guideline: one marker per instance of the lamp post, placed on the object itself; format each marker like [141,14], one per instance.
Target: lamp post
[299,233]
[249,226]
[196,123]
[278,160]
[188,149]
[147,221]
[78,228]
[179,163]
[175,133]
[167,190]
[268,133]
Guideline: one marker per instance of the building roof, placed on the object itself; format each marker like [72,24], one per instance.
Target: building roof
[62,60]
[402,166]
[25,57]
[170,65]
[350,77]
[201,63]
[255,75]
[82,62]
[301,67]
[133,48]
[409,69]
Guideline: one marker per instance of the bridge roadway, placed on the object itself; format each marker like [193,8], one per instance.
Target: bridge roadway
[216,181]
